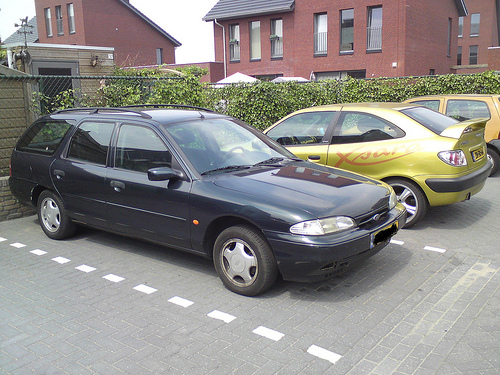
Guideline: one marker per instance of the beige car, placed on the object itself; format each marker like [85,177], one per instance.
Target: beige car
[466,106]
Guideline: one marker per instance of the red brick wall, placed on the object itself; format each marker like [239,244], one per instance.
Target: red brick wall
[415,38]
[108,23]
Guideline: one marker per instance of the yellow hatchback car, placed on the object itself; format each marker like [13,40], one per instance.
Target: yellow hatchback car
[428,158]
[467,106]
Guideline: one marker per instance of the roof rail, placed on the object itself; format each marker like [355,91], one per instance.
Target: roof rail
[167,105]
[94,110]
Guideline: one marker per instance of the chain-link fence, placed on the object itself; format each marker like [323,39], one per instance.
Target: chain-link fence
[25,98]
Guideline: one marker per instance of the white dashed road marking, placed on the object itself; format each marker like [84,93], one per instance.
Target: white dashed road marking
[113,278]
[38,252]
[268,333]
[226,318]
[144,289]
[324,354]
[436,249]
[61,260]
[180,301]
[85,268]
[215,314]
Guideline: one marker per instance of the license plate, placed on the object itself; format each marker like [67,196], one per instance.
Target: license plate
[478,154]
[384,234]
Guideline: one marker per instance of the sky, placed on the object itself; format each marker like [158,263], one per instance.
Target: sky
[181,19]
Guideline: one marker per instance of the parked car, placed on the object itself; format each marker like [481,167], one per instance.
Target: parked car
[204,183]
[467,106]
[428,158]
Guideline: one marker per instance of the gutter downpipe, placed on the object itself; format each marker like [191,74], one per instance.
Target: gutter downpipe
[223,45]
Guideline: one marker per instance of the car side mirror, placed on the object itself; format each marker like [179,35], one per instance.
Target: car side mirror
[164,174]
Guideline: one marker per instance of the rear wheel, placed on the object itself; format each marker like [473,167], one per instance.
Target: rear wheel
[494,159]
[53,217]
[244,261]
[412,197]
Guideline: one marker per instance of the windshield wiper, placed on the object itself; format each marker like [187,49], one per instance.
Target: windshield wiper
[228,168]
[275,161]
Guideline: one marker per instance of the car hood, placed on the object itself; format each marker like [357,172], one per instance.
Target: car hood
[321,191]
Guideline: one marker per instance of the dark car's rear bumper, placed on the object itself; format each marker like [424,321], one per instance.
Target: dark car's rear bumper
[307,258]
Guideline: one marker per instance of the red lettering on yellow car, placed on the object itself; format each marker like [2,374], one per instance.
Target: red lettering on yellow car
[371,155]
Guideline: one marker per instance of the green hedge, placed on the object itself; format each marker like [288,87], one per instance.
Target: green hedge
[262,104]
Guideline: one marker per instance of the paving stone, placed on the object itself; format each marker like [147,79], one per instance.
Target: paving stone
[404,311]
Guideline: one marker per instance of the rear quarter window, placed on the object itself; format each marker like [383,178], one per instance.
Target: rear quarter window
[432,120]
[44,137]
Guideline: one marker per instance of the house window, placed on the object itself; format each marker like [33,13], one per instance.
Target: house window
[59,20]
[276,38]
[71,18]
[234,42]
[459,55]
[159,56]
[460,27]
[320,34]
[374,29]
[48,22]
[472,55]
[347,31]
[474,24]
[255,40]
[449,38]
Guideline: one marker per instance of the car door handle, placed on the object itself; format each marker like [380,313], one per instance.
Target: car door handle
[117,185]
[314,158]
[59,174]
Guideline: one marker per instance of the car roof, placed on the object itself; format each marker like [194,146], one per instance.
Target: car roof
[456,96]
[359,106]
[164,114]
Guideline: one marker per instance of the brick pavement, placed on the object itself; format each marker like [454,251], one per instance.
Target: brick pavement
[99,303]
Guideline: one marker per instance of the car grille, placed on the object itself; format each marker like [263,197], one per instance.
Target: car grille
[372,217]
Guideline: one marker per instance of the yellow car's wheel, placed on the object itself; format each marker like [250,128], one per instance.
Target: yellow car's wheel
[412,197]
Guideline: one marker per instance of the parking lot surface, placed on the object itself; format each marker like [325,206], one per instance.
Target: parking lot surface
[100,303]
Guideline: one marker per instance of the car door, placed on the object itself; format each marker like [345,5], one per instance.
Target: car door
[80,173]
[366,144]
[306,134]
[154,210]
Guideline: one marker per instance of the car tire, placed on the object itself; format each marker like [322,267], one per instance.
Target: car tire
[53,218]
[411,196]
[244,261]
[494,158]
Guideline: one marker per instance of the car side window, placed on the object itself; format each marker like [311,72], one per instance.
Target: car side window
[303,128]
[354,127]
[467,109]
[431,104]
[44,137]
[91,142]
[140,149]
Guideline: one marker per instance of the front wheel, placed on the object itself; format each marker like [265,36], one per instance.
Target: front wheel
[412,197]
[244,261]
[53,217]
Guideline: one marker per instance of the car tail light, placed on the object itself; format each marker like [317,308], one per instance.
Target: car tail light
[453,157]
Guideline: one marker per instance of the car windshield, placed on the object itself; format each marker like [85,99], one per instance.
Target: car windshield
[432,120]
[224,145]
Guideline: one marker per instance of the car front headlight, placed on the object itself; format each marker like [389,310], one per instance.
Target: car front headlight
[393,199]
[320,227]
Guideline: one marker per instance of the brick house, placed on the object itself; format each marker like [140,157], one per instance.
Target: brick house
[331,39]
[107,23]
[479,37]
